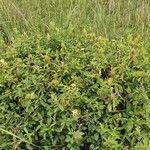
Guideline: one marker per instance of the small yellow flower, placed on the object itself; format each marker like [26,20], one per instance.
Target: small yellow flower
[2,61]
[73,85]
[76,113]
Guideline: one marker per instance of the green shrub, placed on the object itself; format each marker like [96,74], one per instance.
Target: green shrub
[74,91]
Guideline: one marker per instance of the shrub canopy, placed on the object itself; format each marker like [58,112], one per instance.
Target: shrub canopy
[74,91]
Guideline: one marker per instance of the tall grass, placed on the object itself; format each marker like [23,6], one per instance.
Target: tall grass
[110,18]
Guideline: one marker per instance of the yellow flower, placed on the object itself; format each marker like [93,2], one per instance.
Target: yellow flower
[76,113]
[3,62]
[73,85]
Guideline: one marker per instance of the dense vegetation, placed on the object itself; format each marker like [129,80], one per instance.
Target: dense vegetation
[74,75]
[69,91]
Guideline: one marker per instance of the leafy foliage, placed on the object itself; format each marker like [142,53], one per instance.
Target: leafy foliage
[74,91]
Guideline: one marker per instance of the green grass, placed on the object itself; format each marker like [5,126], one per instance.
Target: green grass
[110,18]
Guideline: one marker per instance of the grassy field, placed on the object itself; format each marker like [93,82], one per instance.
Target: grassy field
[110,18]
